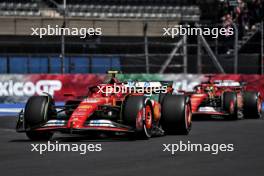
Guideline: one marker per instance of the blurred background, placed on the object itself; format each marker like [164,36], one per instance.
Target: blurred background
[132,38]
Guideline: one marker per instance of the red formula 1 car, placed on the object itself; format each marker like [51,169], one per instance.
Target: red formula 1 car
[139,112]
[225,98]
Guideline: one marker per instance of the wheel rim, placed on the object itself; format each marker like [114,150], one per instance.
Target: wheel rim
[259,105]
[188,116]
[148,117]
[231,108]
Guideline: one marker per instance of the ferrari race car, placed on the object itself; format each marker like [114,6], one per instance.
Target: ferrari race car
[132,108]
[226,98]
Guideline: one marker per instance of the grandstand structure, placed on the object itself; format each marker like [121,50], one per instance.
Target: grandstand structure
[132,38]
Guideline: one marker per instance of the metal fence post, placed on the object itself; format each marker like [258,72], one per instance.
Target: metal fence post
[146,47]
[235,49]
[262,47]
[185,55]
[199,58]
[63,39]
[211,54]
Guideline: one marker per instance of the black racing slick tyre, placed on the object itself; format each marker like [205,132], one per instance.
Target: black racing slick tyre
[161,97]
[229,103]
[38,110]
[176,115]
[252,103]
[137,112]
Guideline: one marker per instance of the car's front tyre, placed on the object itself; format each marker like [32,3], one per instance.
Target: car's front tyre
[137,112]
[38,110]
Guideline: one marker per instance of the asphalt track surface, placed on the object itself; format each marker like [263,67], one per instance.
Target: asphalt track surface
[124,157]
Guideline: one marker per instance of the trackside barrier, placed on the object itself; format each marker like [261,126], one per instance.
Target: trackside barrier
[17,88]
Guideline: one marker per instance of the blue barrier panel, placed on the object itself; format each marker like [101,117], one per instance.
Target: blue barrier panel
[18,64]
[3,64]
[38,65]
[79,65]
[55,65]
[115,63]
[100,64]
[103,64]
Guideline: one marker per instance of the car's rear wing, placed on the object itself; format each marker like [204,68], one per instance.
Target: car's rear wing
[148,83]
[227,83]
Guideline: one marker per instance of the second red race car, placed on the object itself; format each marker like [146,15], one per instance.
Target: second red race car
[140,113]
[225,98]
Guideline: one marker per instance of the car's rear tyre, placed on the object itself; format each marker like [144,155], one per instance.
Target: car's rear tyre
[137,113]
[38,110]
[229,105]
[252,105]
[176,115]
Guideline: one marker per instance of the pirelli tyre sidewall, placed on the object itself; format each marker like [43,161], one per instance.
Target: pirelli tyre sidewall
[176,114]
[137,112]
[252,103]
[38,110]
[229,105]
